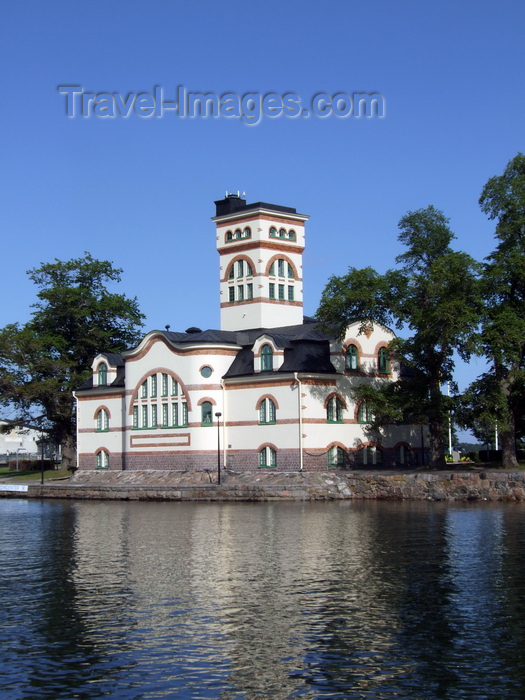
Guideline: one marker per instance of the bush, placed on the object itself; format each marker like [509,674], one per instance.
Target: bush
[30,465]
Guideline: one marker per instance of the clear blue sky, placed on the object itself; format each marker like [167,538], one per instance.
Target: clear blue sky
[140,192]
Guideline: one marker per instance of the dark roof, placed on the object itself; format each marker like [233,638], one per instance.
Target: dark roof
[233,204]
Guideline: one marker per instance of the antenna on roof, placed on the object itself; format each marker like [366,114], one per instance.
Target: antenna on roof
[167,326]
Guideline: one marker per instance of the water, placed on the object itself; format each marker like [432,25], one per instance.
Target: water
[287,600]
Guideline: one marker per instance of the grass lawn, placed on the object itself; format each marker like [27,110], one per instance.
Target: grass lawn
[24,476]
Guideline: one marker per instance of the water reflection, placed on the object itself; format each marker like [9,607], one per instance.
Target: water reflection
[329,600]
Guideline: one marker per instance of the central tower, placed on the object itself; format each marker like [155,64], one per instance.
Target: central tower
[261,264]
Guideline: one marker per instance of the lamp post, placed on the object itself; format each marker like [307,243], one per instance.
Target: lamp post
[42,456]
[218,416]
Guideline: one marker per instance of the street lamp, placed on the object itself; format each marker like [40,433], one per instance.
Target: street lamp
[218,416]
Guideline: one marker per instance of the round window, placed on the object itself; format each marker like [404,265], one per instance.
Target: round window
[206,372]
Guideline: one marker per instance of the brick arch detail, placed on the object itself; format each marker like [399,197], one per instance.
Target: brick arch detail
[282,256]
[170,373]
[101,408]
[245,258]
[206,398]
[334,394]
[266,396]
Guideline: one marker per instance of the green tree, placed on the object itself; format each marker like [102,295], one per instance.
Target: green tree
[75,318]
[503,288]
[433,296]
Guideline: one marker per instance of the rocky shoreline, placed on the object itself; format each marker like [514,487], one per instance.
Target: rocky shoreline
[450,485]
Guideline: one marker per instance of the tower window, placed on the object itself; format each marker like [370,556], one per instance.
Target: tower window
[383,361]
[266,358]
[334,410]
[102,374]
[351,359]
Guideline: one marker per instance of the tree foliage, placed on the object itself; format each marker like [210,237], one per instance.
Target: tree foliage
[76,317]
[503,322]
[433,295]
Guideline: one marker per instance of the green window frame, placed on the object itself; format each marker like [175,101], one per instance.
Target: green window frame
[336,456]
[102,421]
[175,414]
[231,274]
[153,385]
[352,358]
[267,457]
[267,412]
[164,384]
[291,234]
[249,270]
[231,294]
[291,294]
[369,456]
[240,268]
[334,410]
[102,374]
[135,417]
[184,411]
[144,389]
[240,292]
[281,292]
[174,387]
[271,290]
[383,361]
[282,233]
[206,413]
[247,232]
[229,236]
[238,233]
[145,413]
[290,272]
[364,413]
[266,358]
[165,415]
[154,416]
[280,267]
[249,291]
[273,232]
[272,269]
[102,459]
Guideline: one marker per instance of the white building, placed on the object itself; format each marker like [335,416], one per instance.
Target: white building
[281,386]
[18,440]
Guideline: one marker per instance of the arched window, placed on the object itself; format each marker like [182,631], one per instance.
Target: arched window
[291,234]
[238,233]
[267,457]
[102,420]
[369,456]
[102,459]
[102,374]
[239,291]
[229,236]
[206,413]
[383,361]
[364,413]
[273,231]
[351,359]
[336,456]
[247,232]
[282,233]
[402,455]
[266,358]
[267,411]
[334,410]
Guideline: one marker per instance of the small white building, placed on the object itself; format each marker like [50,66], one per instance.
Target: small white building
[282,387]
[18,440]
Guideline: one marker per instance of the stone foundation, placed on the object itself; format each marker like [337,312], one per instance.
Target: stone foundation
[266,485]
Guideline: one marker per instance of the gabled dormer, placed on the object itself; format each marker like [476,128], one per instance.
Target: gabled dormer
[107,369]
